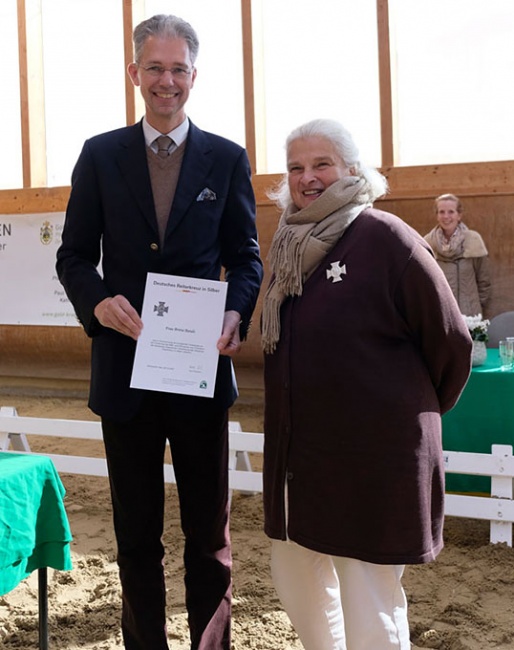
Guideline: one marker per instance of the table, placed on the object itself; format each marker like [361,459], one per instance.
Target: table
[483,416]
[34,528]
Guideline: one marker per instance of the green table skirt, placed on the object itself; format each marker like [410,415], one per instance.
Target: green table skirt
[34,528]
[483,416]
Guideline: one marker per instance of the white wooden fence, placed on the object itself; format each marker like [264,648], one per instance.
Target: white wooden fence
[497,508]
[14,430]
[499,465]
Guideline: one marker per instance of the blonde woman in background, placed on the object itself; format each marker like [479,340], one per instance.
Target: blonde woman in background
[462,255]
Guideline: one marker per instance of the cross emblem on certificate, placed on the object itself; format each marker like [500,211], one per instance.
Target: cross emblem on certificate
[161,309]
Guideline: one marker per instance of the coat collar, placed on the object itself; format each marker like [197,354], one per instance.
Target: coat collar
[131,159]
[196,165]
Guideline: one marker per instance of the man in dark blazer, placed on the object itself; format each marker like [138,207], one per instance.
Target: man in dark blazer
[139,206]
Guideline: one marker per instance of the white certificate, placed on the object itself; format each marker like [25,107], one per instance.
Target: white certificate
[182,321]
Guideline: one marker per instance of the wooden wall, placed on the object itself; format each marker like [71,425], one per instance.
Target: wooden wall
[63,352]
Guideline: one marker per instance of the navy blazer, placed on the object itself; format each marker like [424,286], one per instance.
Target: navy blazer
[111,218]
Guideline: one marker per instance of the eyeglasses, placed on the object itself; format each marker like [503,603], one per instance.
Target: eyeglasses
[157,71]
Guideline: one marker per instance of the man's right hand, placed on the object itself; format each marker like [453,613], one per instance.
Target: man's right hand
[118,314]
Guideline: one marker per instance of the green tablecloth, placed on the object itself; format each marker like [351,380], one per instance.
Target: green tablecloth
[483,416]
[34,529]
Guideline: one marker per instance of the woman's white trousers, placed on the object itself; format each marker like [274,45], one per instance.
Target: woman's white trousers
[338,603]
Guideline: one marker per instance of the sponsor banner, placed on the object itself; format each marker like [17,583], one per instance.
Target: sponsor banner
[30,292]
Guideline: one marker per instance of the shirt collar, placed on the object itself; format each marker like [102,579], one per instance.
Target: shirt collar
[178,135]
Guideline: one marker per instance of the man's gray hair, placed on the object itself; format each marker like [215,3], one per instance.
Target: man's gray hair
[346,149]
[165,26]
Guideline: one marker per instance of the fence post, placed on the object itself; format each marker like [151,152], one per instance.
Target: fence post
[501,488]
[18,441]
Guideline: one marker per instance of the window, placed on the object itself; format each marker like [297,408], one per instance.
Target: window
[451,78]
[216,102]
[10,124]
[317,63]
[454,80]
[84,74]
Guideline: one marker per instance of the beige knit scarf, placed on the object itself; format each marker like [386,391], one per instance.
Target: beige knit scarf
[453,248]
[302,240]
[463,243]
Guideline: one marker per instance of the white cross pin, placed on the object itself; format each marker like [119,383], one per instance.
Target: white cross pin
[336,271]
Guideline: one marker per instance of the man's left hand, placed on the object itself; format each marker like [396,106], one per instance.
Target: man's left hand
[229,342]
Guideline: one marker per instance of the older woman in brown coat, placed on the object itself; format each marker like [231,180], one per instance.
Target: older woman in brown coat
[365,348]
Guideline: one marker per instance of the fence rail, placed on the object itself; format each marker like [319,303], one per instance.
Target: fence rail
[498,508]
[14,430]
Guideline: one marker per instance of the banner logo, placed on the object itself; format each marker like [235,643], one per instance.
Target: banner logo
[46,234]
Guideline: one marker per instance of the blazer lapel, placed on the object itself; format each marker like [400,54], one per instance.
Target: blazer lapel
[196,165]
[133,164]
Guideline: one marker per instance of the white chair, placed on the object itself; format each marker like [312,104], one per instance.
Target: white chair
[500,327]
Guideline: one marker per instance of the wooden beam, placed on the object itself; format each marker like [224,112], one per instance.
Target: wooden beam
[255,87]
[128,26]
[262,184]
[428,181]
[465,179]
[248,80]
[32,95]
[133,14]
[385,83]
[24,93]
[33,201]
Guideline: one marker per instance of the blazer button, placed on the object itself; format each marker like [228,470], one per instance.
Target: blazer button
[154,246]
[290,476]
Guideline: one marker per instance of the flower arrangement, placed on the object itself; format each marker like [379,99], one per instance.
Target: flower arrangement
[477,327]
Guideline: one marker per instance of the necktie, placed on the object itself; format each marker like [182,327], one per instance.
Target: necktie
[164,143]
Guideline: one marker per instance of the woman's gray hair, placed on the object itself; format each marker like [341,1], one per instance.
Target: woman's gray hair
[346,149]
[165,26]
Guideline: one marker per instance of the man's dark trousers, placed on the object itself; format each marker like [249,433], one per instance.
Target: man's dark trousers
[197,430]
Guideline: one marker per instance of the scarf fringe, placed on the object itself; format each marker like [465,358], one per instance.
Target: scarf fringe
[271,320]
[285,251]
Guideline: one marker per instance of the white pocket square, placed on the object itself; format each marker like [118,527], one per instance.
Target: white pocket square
[206,195]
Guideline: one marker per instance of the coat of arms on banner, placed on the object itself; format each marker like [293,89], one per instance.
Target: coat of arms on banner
[46,233]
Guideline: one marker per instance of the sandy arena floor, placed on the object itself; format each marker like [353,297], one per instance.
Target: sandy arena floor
[463,601]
